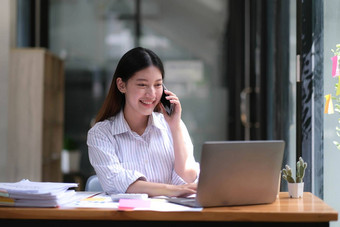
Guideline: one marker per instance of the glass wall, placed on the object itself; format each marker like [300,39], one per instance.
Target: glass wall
[331,121]
[91,36]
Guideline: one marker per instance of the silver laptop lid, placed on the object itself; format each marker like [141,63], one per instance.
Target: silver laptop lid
[239,172]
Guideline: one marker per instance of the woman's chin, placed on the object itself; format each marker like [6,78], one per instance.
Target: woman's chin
[146,111]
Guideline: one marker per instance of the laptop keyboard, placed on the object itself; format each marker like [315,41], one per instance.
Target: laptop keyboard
[191,202]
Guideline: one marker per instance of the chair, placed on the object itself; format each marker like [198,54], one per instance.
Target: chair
[93,184]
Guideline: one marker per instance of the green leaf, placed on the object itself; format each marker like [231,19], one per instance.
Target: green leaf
[290,179]
[337,144]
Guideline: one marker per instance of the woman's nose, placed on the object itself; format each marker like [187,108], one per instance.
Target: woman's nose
[151,91]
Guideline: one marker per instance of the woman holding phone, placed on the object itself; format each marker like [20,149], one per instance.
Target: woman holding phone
[135,146]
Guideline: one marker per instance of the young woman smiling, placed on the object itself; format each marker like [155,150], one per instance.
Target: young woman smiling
[135,146]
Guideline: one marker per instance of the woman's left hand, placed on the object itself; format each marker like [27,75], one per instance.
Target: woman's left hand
[184,160]
[175,118]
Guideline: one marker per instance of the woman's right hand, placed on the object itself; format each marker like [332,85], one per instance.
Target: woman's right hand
[183,190]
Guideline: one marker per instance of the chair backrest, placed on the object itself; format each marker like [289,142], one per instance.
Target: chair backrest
[93,185]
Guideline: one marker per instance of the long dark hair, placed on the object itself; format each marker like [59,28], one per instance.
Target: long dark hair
[132,61]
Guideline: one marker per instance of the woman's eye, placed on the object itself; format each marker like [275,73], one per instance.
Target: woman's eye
[158,85]
[141,85]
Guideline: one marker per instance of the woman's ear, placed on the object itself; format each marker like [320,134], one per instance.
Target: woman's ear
[121,85]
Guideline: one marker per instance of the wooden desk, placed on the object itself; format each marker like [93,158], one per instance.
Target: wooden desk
[283,211]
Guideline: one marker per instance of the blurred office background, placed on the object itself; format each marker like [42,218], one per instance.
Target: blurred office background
[202,50]
[233,63]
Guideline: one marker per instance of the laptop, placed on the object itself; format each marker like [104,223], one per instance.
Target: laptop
[237,173]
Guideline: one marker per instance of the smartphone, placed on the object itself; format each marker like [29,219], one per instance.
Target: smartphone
[166,103]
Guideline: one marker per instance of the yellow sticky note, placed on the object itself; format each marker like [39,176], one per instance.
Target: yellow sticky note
[328,98]
[329,109]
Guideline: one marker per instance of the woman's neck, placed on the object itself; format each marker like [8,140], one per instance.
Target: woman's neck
[136,122]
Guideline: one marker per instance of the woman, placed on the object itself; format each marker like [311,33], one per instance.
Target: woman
[135,146]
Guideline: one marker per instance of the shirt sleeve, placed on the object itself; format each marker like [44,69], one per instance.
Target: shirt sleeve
[111,174]
[176,180]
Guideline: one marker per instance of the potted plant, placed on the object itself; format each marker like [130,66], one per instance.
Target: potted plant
[295,188]
[70,156]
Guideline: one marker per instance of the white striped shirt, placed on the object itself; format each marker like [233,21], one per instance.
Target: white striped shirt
[121,156]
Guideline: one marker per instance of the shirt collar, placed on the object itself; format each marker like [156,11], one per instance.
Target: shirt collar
[157,120]
[121,126]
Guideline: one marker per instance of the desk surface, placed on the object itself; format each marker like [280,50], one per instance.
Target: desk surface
[284,209]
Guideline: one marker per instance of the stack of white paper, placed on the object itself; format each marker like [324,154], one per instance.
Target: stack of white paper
[36,194]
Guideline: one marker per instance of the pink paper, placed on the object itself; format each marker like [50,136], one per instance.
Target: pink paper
[335,64]
[130,204]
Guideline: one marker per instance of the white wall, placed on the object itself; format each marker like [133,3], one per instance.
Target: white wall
[7,40]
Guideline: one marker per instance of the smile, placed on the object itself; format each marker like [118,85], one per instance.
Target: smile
[147,102]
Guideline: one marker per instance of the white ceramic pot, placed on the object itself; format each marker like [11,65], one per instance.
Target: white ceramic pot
[295,190]
[70,161]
